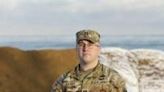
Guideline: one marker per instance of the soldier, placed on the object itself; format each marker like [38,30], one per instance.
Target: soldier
[89,75]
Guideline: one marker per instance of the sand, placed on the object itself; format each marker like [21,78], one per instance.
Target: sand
[33,71]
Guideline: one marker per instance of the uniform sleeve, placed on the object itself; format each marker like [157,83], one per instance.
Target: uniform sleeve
[118,82]
[57,86]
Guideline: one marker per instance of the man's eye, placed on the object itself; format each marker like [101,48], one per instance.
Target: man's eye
[81,44]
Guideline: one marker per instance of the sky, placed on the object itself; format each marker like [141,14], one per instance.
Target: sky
[66,17]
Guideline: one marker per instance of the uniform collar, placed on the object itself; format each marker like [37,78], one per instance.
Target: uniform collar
[93,73]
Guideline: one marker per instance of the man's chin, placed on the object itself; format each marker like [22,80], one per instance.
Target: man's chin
[87,60]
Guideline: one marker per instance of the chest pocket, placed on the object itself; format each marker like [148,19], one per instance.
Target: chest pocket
[102,84]
[71,85]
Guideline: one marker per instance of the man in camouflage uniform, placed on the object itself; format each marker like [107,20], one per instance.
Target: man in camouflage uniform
[89,75]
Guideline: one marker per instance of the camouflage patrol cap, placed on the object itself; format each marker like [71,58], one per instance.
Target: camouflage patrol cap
[89,35]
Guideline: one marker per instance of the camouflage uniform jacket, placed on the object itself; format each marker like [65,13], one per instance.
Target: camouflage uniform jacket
[99,79]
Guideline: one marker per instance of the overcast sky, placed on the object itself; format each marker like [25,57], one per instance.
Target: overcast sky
[65,17]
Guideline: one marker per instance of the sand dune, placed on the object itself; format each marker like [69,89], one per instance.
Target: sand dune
[35,71]
[32,71]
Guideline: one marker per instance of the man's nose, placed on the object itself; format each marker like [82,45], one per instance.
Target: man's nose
[85,46]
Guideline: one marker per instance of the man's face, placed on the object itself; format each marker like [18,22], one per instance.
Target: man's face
[88,51]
